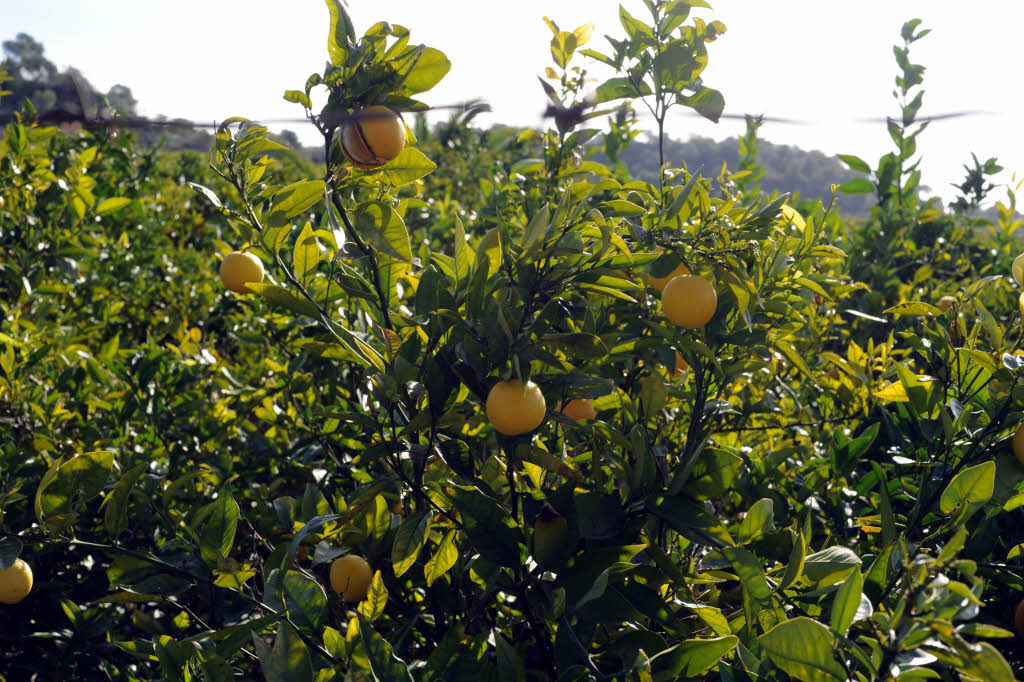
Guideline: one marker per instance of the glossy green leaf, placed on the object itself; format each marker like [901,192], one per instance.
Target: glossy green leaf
[294,199]
[409,540]
[288,660]
[218,529]
[372,606]
[443,559]
[692,657]
[971,488]
[386,667]
[759,519]
[846,602]
[306,254]
[803,648]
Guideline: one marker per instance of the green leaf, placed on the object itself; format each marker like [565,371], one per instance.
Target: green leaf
[386,667]
[444,558]
[112,204]
[409,166]
[707,102]
[409,540]
[306,254]
[857,186]
[115,504]
[803,648]
[422,68]
[372,606]
[288,661]
[855,163]
[692,657]
[620,88]
[971,488]
[218,529]
[912,308]
[760,519]
[463,255]
[491,530]
[830,564]
[578,345]
[286,298]
[343,34]
[294,199]
[846,602]
[797,557]
[383,227]
[303,598]
[70,483]
[750,572]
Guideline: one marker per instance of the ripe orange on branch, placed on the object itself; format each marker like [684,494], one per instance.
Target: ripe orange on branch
[579,409]
[15,582]
[372,137]
[689,301]
[515,409]
[239,269]
[350,577]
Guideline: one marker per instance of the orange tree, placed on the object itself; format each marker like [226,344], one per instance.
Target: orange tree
[309,481]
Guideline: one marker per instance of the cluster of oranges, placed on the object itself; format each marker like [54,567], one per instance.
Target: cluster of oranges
[687,300]
[368,138]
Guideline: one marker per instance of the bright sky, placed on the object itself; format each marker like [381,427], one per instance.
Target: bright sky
[823,61]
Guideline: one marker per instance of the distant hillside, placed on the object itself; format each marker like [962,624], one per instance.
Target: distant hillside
[787,168]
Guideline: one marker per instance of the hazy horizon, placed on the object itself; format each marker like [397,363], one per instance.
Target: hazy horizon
[826,65]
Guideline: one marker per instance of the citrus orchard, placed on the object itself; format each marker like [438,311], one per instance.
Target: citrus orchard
[372,137]
[15,582]
[515,409]
[350,577]
[689,301]
[239,269]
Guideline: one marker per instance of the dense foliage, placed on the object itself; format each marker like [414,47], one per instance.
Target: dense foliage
[816,484]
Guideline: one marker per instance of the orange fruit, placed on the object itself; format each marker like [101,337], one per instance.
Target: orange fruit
[372,136]
[579,409]
[15,582]
[350,577]
[660,282]
[238,269]
[515,409]
[689,301]
[1018,443]
[945,303]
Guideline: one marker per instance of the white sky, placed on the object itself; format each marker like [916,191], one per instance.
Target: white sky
[816,60]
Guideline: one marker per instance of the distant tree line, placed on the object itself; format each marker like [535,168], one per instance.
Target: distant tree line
[68,93]
[787,168]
